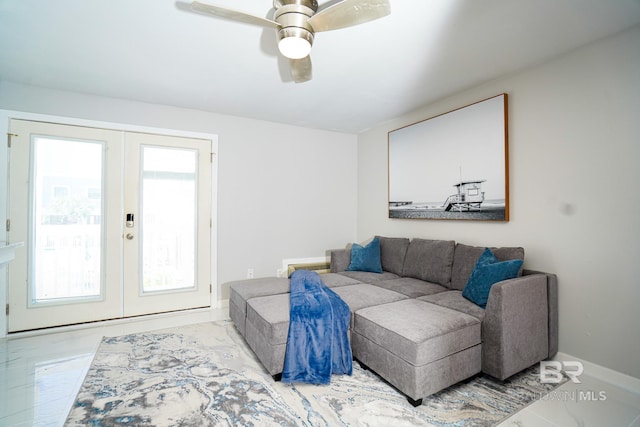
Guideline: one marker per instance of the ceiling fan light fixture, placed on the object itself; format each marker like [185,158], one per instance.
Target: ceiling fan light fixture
[294,47]
[295,43]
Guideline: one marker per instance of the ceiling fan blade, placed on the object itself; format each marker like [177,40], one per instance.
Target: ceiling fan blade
[348,13]
[233,15]
[301,69]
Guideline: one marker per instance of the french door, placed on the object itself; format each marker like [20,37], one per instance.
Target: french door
[115,224]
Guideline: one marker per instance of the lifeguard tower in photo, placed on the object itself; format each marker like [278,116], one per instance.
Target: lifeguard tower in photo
[469,197]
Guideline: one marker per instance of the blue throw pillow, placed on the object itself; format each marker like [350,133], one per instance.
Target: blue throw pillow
[487,257]
[486,273]
[366,258]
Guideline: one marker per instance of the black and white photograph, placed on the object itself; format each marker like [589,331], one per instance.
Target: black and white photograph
[452,166]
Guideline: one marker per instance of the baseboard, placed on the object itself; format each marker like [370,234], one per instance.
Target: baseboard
[109,322]
[604,374]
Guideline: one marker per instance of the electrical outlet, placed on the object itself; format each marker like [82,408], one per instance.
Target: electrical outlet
[279,272]
[250,273]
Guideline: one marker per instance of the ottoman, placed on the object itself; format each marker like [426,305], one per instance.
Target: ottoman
[267,320]
[418,347]
[267,328]
[243,290]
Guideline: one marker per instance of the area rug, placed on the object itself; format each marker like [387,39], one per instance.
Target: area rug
[206,375]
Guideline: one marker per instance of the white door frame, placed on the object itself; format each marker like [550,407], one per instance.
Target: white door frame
[7,115]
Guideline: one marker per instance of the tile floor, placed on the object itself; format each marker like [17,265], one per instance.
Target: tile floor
[590,403]
[40,375]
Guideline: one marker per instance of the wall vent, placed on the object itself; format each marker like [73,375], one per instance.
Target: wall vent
[320,265]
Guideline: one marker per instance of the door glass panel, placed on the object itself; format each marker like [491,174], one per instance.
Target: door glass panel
[66,217]
[168,229]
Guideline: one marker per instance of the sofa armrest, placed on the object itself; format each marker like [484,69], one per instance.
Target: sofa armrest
[340,260]
[515,326]
[552,301]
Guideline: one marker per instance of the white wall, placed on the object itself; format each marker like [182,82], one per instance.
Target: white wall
[283,191]
[288,192]
[574,150]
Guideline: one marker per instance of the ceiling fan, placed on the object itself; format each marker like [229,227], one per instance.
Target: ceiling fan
[297,21]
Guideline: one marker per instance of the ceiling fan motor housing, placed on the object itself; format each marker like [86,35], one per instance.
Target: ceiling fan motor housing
[311,4]
[292,15]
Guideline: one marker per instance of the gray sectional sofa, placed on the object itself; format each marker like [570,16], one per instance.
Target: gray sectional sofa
[410,323]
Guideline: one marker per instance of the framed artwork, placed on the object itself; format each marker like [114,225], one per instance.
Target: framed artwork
[452,166]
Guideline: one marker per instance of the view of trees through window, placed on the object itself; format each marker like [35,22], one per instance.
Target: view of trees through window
[67,215]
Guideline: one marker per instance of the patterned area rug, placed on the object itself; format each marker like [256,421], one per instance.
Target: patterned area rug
[206,375]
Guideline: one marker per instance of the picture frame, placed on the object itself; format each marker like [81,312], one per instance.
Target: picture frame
[453,166]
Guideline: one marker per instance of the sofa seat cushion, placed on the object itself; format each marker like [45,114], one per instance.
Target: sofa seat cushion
[417,331]
[364,295]
[429,260]
[466,258]
[455,301]
[367,277]
[333,280]
[243,290]
[269,316]
[410,287]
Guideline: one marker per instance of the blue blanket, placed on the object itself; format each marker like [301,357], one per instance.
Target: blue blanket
[317,344]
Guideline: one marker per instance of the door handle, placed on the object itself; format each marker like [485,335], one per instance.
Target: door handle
[129,236]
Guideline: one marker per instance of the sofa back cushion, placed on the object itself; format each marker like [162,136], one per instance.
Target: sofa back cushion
[466,257]
[392,253]
[430,260]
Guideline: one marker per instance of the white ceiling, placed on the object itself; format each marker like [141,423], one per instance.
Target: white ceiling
[159,52]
